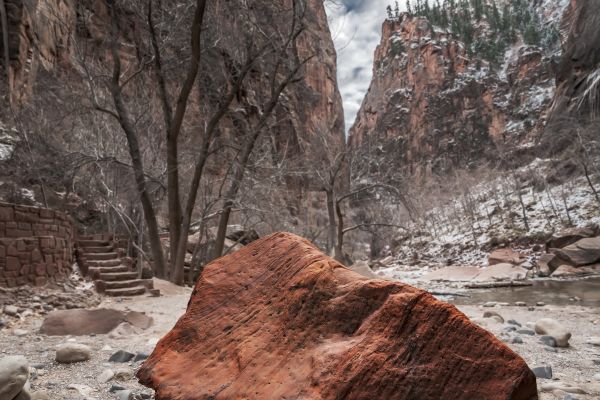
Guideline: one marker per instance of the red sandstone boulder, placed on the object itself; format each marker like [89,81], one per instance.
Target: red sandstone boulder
[506,256]
[280,320]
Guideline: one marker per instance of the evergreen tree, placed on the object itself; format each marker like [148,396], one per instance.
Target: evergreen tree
[389,12]
[409,8]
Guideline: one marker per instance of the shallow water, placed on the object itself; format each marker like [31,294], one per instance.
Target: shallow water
[549,291]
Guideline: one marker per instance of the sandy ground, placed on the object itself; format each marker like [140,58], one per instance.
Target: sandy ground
[578,365]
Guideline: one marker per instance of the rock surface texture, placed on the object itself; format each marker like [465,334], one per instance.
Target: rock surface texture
[280,320]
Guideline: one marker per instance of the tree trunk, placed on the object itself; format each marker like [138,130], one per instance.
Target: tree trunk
[136,159]
[339,246]
[6,54]
[331,228]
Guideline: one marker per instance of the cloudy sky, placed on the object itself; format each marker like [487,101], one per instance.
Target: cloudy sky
[356,29]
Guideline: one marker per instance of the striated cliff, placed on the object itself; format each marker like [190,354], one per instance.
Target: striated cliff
[436,103]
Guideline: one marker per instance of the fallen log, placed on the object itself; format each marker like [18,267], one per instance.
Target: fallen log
[500,284]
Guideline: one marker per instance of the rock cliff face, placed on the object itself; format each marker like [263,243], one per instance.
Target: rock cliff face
[280,320]
[578,78]
[434,104]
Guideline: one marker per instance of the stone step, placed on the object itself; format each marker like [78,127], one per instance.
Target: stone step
[103,263]
[118,276]
[98,249]
[107,285]
[92,243]
[101,256]
[94,272]
[134,291]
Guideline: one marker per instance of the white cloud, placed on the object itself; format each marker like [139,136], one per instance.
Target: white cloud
[356,29]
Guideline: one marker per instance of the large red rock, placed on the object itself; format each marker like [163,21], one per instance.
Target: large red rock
[280,320]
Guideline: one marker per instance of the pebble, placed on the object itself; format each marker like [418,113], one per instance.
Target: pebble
[548,340]
[116,388]
[540,304]
[594,341]
[141,357]
[72,352]
[123,374]
[513,322]
[105,376]
[509,328]
[551,327]
[14,372]
[124,394]
[520,304]
[490,304]
[20,332]
[569,396]
[544,372]
[550,349]
[517,340]
[121,356]
[526,331]
[11,311]
[494,315]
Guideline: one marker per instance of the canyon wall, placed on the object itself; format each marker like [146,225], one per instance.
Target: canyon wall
[434,104]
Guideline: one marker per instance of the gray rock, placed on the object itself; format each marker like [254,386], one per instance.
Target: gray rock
[140,357]
[494,315]
[520,304]
[548,340]
[41,395]
[513,322]
[23,395]
[517,340]
[73,352]
[540,304]
[124,395]
[14,372]
[526,331]
[544,372]
[551,327]
[121,356]
[509,328]
[569,396]
[11,311]
[116,388]
[550,349]
[490,304]
[105,376]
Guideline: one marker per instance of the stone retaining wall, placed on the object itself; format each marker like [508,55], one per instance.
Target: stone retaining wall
[36,245]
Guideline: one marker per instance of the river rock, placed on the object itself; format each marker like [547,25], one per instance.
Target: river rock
[551,327]
[121,356]
[548,340]
[81,322]
[505,256]
[11,311]
[544,372]
[279,319]
[513,322]
[14,372]
[569,236]
[494,315]
[123,374]
[524,331]
[105,376]
[72,352]
[594,341]
[583,252]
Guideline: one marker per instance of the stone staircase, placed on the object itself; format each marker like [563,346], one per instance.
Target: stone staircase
[113,274]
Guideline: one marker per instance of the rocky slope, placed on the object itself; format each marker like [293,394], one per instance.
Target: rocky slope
[437,103]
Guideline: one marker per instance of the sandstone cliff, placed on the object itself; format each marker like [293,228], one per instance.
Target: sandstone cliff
[435,103]
[53,42]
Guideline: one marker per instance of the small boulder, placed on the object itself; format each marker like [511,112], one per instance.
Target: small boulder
[583,252]
[551,327]
[513,322]
[546,264]
[517,340]
[505,256]
[494,315]
[568,237]
[544,372]
[72,352]
[121,356]
[548,340]
[11,311]
[14,372]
